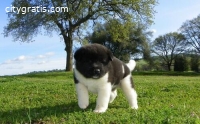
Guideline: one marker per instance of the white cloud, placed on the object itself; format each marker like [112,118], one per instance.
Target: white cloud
[21,58]
[50,54]
[46,55]
[153,31]
[6,62]
[24,64]
[15,67]
[40,56]
[42,62]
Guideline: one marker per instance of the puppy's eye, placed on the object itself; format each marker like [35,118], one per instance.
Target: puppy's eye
[104,61]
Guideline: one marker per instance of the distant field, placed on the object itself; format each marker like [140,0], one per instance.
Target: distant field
[165,98]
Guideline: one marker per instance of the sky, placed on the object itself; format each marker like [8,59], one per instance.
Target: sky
[47,52]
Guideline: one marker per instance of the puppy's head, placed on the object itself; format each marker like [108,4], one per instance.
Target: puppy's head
[93,61]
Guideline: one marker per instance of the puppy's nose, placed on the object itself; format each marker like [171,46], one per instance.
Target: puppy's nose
[97,71]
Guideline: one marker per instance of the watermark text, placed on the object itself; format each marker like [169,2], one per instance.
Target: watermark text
[24,10]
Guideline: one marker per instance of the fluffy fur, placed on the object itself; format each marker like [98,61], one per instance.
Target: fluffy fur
[98,71]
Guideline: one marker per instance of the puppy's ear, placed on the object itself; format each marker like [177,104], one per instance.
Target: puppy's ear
[110,55]
[78,54]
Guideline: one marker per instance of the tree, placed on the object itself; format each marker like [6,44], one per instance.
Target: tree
[181,63]
[25,25]
[195,62]
[191,30]
[168,46]
[123,38]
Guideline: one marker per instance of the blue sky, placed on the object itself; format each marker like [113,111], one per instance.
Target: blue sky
[47,53]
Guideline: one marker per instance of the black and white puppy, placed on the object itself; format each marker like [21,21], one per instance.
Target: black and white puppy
[98,71]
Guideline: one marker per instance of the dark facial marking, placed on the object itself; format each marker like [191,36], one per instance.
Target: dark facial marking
[93,60]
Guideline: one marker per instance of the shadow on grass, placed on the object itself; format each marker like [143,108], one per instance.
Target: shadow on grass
[38,115]
[45,114]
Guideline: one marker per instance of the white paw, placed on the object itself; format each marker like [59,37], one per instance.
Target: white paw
[100,110]
[134,106]
[83,106]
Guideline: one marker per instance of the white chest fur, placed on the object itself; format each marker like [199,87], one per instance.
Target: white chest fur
[93,85]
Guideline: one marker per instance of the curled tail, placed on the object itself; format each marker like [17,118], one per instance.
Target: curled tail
[131,65]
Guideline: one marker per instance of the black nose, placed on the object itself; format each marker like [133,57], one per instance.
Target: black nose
[97,71]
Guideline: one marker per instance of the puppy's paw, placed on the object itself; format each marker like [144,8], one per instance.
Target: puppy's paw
[134,106]
[100,110]
[83,106]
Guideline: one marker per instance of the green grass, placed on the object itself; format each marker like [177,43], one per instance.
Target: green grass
[51,98]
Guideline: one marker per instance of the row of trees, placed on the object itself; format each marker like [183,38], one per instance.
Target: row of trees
[178,51]
[175,47]
[186,63]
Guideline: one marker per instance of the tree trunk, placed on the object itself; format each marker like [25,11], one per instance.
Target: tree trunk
[169,67]
[68,49]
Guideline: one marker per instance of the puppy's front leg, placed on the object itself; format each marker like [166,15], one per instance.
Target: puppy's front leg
[83,96]
[103,98]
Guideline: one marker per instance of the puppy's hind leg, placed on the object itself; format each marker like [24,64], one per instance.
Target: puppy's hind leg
[129,91]
[83,96]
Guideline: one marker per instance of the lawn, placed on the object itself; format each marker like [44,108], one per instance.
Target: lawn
[51,98]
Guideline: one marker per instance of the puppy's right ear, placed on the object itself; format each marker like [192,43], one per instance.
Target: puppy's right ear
[110,55]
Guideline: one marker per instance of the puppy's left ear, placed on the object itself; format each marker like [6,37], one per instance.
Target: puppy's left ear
[110,55]
[78,54]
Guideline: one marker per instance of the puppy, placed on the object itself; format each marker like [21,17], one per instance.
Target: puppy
[98,71]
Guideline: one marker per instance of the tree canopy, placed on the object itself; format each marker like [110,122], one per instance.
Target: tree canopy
[123,38]
[191,30]
[24,26]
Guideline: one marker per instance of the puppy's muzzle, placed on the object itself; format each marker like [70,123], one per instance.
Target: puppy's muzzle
[97,71]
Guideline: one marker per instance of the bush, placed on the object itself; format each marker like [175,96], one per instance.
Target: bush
[181,63]
[195,63]
[142,66]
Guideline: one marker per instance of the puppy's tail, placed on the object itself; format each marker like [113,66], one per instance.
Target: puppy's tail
[131,65]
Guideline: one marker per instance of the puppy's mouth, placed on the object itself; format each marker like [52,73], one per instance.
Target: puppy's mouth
[95,77]
[96,73]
